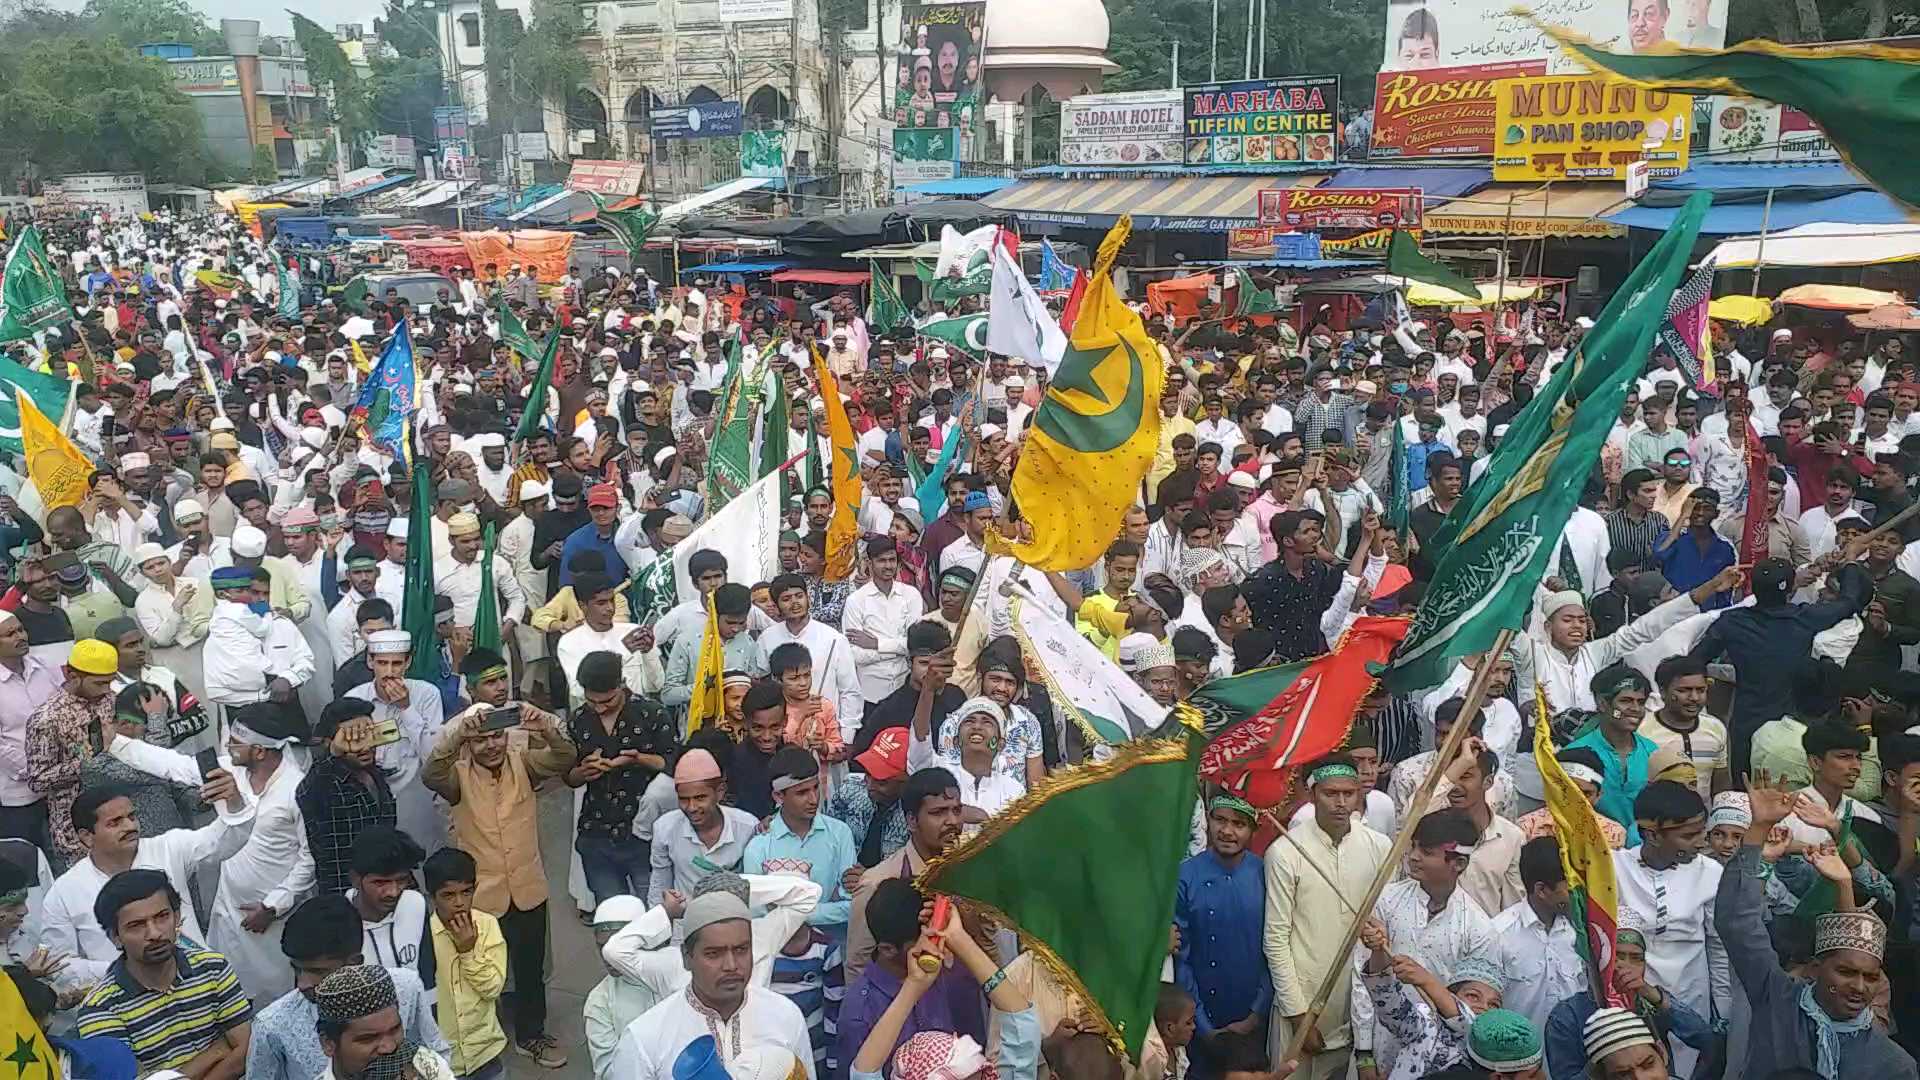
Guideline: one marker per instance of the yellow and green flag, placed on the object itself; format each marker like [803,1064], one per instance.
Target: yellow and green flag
[843,529]
[1866,97]
[709,701]
[58,469]
[1584,855]
[26,1044]
[1094,436]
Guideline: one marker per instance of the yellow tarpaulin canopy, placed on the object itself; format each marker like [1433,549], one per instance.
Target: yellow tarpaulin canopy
[1420,294]
[1745,310]
[1561,209]
[1838,297]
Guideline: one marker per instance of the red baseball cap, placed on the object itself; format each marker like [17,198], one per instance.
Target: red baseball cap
[603,495]
[886,759]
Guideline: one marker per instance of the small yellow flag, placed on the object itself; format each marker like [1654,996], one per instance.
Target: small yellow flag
[58,469]
[709,699]
[360,362]
[22,1041]
[843,529]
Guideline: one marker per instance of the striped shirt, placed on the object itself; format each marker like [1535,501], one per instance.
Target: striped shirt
[166,1028]
[1637,538]
[813,980]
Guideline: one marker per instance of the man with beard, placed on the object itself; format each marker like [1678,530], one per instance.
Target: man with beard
[358,1020]
[176,1006]
[720,1001]
[323,936]
[932,804]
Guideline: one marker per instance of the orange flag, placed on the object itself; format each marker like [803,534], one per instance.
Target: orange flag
[843,529]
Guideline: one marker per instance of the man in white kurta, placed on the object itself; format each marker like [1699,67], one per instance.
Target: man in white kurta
[274,870]
[1674,894]
[1315,882]
[68,926]
[644,951]
[343,622]
[599,631]
[720,1000]
[876,619]
[460,577]
[414,706]
[516,546]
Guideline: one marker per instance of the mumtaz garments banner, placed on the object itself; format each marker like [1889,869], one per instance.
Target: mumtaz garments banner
[1439,112]
[1264,121]
[1587,127]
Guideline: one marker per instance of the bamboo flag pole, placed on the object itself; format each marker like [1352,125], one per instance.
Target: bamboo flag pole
[1476,693]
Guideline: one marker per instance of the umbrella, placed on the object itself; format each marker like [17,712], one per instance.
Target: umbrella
[1838,297]
[1888,317]
[1745,310]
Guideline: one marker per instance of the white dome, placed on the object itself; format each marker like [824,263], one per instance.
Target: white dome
[1047,26]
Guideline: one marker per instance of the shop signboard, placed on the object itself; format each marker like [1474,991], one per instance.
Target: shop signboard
[707,120]
[618,178]
[937,74]
[1440,112]
[1587,127]
[1340,208]
[1742,129]
[732,11]
[1264,122]
[922,154]
[1141,128]
[123,194]
[390,152]
[1424,34]
[197,76]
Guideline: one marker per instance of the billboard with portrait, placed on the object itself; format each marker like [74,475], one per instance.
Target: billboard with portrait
[1424,34]
[938,65]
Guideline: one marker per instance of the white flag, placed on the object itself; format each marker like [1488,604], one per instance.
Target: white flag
[1086,686]
[958,250]
[1018,324]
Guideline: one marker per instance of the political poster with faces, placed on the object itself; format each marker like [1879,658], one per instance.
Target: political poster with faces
[939,62]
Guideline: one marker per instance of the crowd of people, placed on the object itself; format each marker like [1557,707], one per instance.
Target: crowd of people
[245,835]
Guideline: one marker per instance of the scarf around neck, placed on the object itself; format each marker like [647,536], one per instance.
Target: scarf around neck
[1827,1032]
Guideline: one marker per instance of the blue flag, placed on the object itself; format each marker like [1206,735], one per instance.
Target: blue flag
[1056,273]
[386,401]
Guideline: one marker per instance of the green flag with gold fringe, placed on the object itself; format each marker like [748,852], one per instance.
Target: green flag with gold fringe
[1865,97]
[1092,902]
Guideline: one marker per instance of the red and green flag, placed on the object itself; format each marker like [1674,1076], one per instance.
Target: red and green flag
[1265,723]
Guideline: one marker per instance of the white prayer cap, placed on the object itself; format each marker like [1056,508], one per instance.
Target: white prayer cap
[221,423]
[618,911]
[188,510]
[1132,648]
[660,456]
[389,642]
[988,431]
[1583,323]
[397,528]
[488,441]
[314,437]
[939,353]
[249,542]
[535,489]
[1556,602]
[130,462]
[763,1063]
[1783,332]
[147,552]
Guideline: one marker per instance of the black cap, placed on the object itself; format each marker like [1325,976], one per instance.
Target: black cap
[1772,579]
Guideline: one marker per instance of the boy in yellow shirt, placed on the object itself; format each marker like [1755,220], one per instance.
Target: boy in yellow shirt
[470,967]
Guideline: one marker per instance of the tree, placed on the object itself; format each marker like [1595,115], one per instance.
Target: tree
[408,29]
[84,104]
[139,22]
[334,76]
[402,93]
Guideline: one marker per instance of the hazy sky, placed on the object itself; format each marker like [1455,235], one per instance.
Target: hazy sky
[273,16]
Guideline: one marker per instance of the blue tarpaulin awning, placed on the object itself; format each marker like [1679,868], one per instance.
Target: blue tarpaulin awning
[1439,180]
[961,186]
[1309,264]
[741,266]
[1733,176]
[1851,208]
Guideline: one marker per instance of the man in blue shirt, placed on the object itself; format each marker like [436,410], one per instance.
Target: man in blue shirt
[1428,444]
[1691,556]
[800,840]
[603,507]
[1219,906]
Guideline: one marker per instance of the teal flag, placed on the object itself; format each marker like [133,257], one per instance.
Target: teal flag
[631,227]
[816,468]
[49,394]
[886,310]
[1405,260]
[968,333]
[1493,548]
[32,296]
[1399,495]
[516,336]
[536,407]
[1249,298]
[486,616]
[730,451]
[288,285]
[773,438]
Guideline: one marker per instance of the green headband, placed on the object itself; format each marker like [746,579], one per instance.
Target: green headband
[1625,932]
[1332,771]
[17,896]
[363,564]
[497,671]
[1235,804]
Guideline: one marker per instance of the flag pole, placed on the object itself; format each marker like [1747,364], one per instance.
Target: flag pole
[1760,248]
[1476,694]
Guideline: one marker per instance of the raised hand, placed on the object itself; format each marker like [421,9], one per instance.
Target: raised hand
[1772,799]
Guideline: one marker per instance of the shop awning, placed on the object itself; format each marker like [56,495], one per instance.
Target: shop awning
[719,193]
[1433,182]
[823,277]
[1158,204]
[739,266]
[1527,210]
[960,187]
[1728,219]
[1823,244]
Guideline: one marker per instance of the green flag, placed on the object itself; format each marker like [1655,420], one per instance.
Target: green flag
[1249,298]
[288,285]
[1866,97]
[1494,547]
[486,616]
[631,227]
[353,297]
[32,296]
[968,333]
[654,591]
[1404,259]
[885,310]
[417,599]
[816,468]
[1093,901]
[773,438]
[49,394]
[536,408]
[1399,490]
[730,450]
[514,333]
